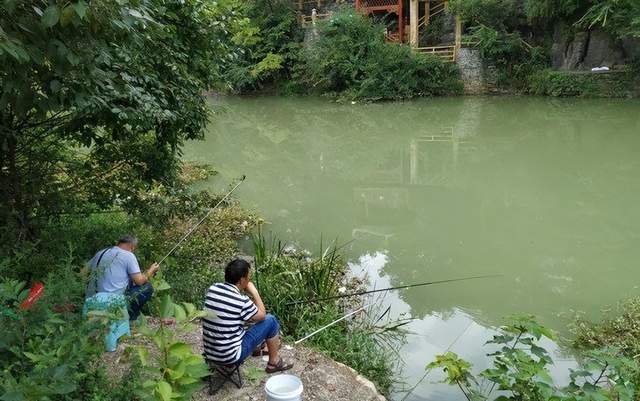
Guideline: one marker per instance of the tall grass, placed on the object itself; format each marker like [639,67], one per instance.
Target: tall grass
[366,342]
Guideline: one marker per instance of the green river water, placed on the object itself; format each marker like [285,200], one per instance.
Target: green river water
[545,192]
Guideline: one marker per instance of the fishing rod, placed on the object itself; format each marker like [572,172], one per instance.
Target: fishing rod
[355,294]
[332,323]
[188,233]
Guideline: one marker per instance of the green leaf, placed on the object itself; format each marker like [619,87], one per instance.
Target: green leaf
[162,285]
[166,307]
[163,389]
[55,86]
[67,15]
[73,58]
[80,8]
[189,308]
[32,357]
[51,16]
[179,312]
[180,350]
[143,355]
[178,372]
[12,395]
[255,374]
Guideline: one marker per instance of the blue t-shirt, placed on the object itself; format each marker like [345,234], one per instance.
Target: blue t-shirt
[116,267]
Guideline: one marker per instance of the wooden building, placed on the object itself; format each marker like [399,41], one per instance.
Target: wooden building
[411,23]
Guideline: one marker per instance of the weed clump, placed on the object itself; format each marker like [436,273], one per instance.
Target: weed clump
[285,275]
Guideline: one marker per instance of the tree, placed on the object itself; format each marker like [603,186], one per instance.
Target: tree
[619,17]
[98,95]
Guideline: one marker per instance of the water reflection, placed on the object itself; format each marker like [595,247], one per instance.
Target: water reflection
[544,192]
[455,330]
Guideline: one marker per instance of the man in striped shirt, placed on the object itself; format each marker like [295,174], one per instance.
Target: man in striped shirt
[226,341]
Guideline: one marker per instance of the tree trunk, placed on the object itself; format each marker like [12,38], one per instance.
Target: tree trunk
[16,211]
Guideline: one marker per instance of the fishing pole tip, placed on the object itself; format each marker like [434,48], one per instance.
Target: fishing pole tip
[243,177]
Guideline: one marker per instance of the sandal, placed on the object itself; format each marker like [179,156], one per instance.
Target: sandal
[281,366]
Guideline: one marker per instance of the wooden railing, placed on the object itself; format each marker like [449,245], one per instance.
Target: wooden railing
[393,37]
[446,53]
[313,3]
[436,9]
[378,3]
[306,20]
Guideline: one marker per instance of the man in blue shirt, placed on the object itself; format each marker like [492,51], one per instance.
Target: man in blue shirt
[115,270]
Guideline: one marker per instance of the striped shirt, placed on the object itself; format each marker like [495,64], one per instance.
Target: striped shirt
[223,328]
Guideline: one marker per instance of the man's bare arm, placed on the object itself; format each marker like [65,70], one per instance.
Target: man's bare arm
[142,278]
[262,312]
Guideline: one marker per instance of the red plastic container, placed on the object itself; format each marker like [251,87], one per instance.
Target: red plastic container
[35,293]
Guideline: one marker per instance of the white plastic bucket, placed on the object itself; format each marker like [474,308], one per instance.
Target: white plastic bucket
[283,388]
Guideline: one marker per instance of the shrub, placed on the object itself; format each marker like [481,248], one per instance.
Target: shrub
[172,370]
[520,369]
[352,59]
[619,329]
[284,275]
[200,261]
[268,46]
[44,354]
[494,13]
[564,84]
[165,214]
[514,58]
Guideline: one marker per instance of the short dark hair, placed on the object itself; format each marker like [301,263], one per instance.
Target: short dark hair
[128,239]
[235,270]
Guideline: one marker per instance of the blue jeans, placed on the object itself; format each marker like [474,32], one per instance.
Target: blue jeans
[138,295]
[256,335]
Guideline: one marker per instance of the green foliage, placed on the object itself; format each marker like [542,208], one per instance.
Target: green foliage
[562,84]
[165,214]
[565,84]
[552,10]
[619,329]
[173,371]
[12,293]
[268,41]
[495,13]
[44,354]
[97,97]
[434,32]
[64,346]
[514,58]
[352,59]
[284,275]
[255,374]
[98,386]
[619,17]
[200,262]
[520,369]
[458,373]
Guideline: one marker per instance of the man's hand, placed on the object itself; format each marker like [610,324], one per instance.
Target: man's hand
[251,289]
[253,292]
[153,269]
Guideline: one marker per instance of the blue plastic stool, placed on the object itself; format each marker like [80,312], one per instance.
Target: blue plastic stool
[116,304]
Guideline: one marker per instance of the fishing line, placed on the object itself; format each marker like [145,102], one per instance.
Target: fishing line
[355,294]
[334,322]
[192,229]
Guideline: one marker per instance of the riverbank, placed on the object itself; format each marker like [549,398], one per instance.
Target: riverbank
[484,46]
[323,378]
[179,285]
